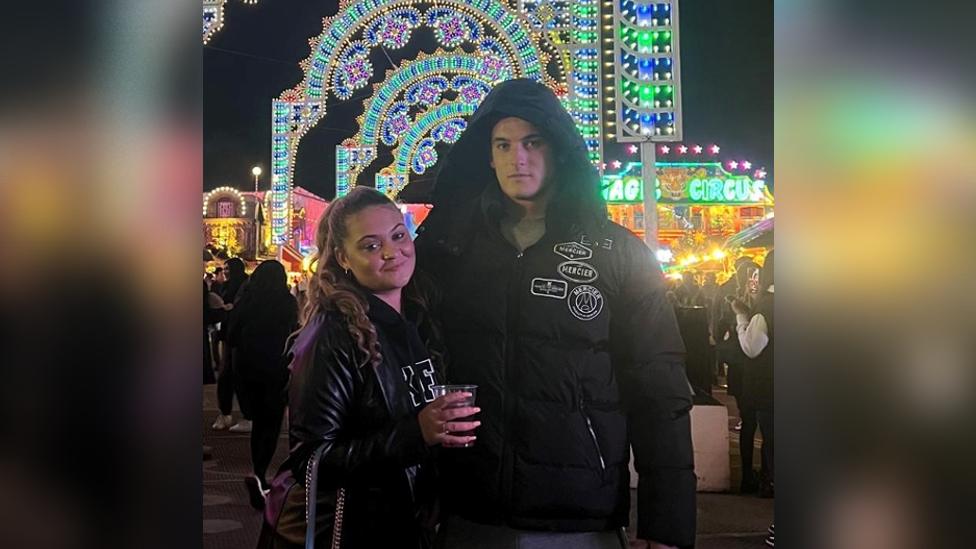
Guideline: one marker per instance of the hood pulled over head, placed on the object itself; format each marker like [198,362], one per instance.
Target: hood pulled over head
[467,170]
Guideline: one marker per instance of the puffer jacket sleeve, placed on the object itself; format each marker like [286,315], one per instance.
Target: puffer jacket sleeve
[322,401]
[649,363]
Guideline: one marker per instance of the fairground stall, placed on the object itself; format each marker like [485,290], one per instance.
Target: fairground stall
[701,204]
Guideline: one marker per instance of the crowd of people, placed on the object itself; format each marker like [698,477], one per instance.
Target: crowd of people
[518,284]
[736,319]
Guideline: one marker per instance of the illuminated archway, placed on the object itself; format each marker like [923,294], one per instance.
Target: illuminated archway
[215,195]
[523,35]
[412,75]
[448,117]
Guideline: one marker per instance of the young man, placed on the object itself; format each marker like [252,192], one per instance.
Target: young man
[560,317]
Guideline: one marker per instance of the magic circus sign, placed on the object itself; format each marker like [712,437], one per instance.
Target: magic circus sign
[687,183]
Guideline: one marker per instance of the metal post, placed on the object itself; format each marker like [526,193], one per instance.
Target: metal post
[649,175]
[257,226]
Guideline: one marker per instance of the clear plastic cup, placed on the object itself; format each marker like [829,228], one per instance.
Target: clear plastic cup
[441,390]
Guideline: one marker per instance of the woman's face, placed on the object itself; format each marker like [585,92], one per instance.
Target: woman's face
[378,250]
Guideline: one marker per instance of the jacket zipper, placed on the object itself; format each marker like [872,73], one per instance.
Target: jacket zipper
[508,461]
[596,443]
[339,516]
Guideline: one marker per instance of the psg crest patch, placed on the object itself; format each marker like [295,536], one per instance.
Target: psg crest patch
[585,302]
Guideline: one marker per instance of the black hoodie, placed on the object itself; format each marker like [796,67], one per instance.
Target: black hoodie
[572,343]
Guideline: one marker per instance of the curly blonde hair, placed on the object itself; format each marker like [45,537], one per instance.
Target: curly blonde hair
[330,288]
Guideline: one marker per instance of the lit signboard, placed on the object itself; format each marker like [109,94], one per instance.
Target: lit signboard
[690,184]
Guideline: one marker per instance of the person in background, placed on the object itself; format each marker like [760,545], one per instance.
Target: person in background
[560,317]
[211,316]
[363,368]
[226,383]
[706,297]
[219,279]
[687,290]
[727,348]
[259,324]
[300,289]
[754,329]
[709,289]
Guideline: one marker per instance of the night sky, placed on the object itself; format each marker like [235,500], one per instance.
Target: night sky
[726,64]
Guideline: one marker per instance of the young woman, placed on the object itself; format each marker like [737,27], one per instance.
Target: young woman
[258,328]
[754,326]
[361,383]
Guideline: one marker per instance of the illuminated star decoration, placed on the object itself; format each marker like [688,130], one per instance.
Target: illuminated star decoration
[733,164]
[697,148]
[760,174]
[632,149]
[746,165]
[682,149]
[615,164]
[665,149]
[715,149]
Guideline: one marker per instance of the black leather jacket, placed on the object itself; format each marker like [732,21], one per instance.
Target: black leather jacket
[377,454]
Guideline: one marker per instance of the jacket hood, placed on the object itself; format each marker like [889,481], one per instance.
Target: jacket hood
[467,172]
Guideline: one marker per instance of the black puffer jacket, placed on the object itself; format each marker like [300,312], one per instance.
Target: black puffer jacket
[377,455]
[574,347]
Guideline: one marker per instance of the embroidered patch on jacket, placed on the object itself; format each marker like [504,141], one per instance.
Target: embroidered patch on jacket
[607,243]
[573,251]
[420,379]
[577,271]
[585,302]
[547,287]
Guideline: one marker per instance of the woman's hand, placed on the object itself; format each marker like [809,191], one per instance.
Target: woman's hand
[437,420]
[739,307]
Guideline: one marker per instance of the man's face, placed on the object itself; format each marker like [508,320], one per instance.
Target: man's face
[522,160]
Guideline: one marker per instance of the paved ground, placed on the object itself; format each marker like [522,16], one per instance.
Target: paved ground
[725,521]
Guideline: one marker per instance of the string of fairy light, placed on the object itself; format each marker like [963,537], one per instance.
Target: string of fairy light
[682,150]
[643,69]
[213,17]
[220,192]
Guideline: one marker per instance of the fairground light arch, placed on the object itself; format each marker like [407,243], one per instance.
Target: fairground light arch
[411,109]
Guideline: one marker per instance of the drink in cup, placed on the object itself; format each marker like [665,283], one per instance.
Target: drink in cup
[441,390]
